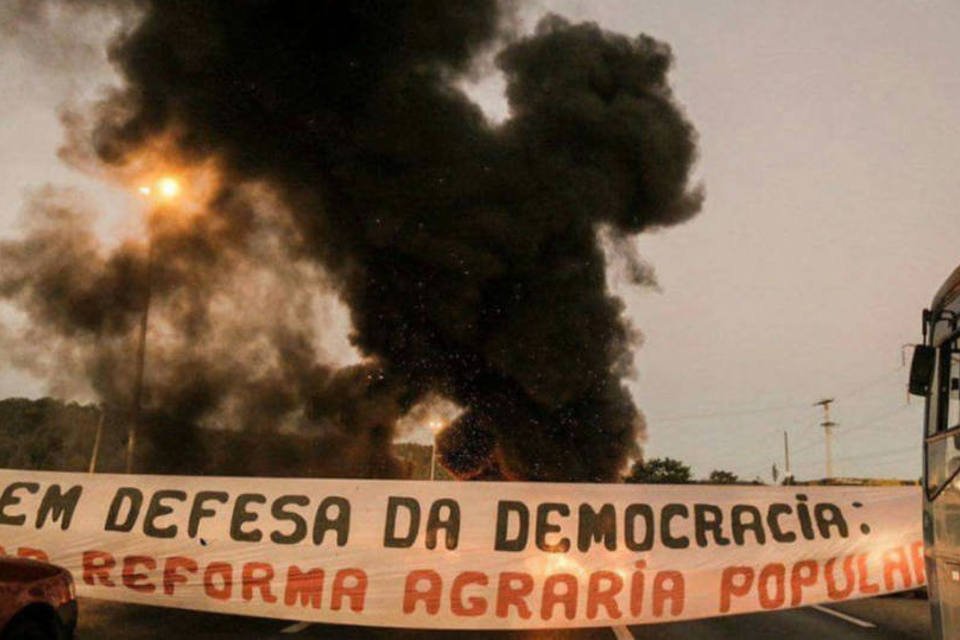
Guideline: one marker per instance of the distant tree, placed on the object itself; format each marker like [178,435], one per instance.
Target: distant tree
[719,476]
[57,436]
[659,471]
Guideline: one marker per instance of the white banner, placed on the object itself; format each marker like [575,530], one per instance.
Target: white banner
[463,555]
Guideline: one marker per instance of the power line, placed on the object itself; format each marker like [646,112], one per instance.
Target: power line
[805,439]
[725,454]
[737,448]
[813,442]
[876,421]
[720,413]
[870,383]
[882,454]
[727,414]
[870,422]
[869,456]
[877,454]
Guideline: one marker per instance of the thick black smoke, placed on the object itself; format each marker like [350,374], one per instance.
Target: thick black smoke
[233,340]
[468,254]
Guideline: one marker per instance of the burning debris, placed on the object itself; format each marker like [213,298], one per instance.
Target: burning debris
[348,163]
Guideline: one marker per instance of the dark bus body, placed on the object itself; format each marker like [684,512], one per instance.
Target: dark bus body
[935,374]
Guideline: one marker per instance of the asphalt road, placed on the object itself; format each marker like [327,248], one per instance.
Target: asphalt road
[876,619]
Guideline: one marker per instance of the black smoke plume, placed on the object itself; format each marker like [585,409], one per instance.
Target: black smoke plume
[469,254]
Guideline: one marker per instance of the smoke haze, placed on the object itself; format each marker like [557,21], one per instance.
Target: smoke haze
[346,162]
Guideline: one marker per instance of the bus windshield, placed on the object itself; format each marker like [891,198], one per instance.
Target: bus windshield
[943,423]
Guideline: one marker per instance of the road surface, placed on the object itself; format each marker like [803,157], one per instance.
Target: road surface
[876,619]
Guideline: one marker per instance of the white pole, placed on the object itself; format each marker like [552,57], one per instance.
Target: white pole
[828,427]
[786,455]
[96,441]
[433,460]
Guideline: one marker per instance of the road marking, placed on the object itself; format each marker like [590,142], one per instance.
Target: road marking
[296,627]
[622,632]
[844,616]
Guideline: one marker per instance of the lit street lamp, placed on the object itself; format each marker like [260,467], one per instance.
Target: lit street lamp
[166,188]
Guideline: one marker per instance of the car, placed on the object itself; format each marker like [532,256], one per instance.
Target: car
[38,600]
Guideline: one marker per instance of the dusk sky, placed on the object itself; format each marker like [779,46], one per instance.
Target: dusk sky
[828,149]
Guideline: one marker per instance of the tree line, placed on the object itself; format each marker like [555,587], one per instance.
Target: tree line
[671,471]
[53,435]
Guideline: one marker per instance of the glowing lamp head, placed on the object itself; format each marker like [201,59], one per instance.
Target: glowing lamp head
[168,187]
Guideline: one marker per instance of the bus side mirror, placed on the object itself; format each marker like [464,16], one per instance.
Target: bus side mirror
[921,369]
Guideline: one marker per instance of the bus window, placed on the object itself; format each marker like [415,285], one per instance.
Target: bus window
[943,454]
[940,389]
[943,461]
[933,405]
[953,386]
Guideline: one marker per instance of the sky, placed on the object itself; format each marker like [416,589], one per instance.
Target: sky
[829,138]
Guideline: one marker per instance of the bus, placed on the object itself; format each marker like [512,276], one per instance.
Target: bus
[935,375]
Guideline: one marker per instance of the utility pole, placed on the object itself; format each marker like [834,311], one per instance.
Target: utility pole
[828,426]
[787,475]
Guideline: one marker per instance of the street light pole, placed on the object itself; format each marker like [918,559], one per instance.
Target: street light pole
[166,189]
[96,440]
[141,360]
